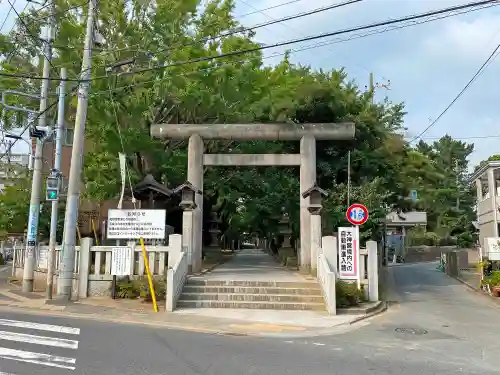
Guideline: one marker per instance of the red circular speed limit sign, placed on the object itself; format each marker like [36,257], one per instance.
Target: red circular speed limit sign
[357,214]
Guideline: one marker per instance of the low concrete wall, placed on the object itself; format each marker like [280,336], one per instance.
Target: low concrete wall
[40,281]
[433,253]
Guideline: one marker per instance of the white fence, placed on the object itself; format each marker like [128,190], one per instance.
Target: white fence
[93,264]
[328,271]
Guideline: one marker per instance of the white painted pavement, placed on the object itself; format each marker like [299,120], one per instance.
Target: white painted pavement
[46,339]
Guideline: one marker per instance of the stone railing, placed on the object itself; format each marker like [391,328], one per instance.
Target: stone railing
[93,264]
[326,278]
[176,277]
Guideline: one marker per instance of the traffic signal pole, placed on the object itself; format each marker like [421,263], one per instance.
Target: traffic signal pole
[36,187]
[57,168]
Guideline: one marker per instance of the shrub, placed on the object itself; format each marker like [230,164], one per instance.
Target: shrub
[348,294]
[128,289]
[493,279]
[465,240]
[160,287]
[132,289]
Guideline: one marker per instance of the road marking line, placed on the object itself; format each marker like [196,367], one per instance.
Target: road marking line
[40,326]
[38,340]
[37,358]
[3,269]
[6,373]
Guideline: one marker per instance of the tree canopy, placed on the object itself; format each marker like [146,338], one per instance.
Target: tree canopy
[233,89]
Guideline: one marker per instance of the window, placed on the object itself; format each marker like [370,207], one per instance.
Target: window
[68,137]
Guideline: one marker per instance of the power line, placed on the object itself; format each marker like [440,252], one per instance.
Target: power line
[284,43]
[243,29]
[292,51]
[61,11]
[129,48]
[34,38]
[464,89]
[268,8]
[8,14]
[464,138]
[33,121]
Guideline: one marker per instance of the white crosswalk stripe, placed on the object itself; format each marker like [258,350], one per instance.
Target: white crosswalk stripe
[39,357]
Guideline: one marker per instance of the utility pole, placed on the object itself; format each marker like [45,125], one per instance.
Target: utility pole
[65,281]
[57,169]
[36,187]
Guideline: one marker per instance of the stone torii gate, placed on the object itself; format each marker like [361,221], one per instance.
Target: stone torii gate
[197,159]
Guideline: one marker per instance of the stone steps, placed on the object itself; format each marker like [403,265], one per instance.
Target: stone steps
[252,290]
[265,284]
[236,294]
[252,297]
[251,305]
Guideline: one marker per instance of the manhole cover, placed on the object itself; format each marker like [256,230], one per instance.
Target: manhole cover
[411,331]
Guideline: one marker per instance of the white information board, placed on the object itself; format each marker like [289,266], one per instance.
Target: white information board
[493,248]
[133,224]
[348,253]
[121,261]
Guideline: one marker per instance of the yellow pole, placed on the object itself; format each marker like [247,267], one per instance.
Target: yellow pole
[150,279]
[95,232]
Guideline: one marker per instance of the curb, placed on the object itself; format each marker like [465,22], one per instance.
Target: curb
[495,300]
[382,307]
[117,320]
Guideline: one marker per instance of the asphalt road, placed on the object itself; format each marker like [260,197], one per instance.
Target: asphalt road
[449,330]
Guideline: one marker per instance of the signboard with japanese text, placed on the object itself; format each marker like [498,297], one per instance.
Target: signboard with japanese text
[121,261]
[133,224]
[493,248]
[348,253]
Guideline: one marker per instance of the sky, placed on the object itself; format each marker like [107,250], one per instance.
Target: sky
[427,65]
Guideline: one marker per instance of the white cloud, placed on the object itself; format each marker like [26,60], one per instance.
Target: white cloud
[464,39]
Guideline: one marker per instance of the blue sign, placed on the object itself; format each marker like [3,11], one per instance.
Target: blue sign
[357,214]
[414,195]
[33,223]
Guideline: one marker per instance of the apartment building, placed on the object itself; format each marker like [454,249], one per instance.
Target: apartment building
[487,180]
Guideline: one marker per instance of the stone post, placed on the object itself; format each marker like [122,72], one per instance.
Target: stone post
[307,178]
[371,247]
[195,176]
[315,240]
[187,235]
[84,269]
